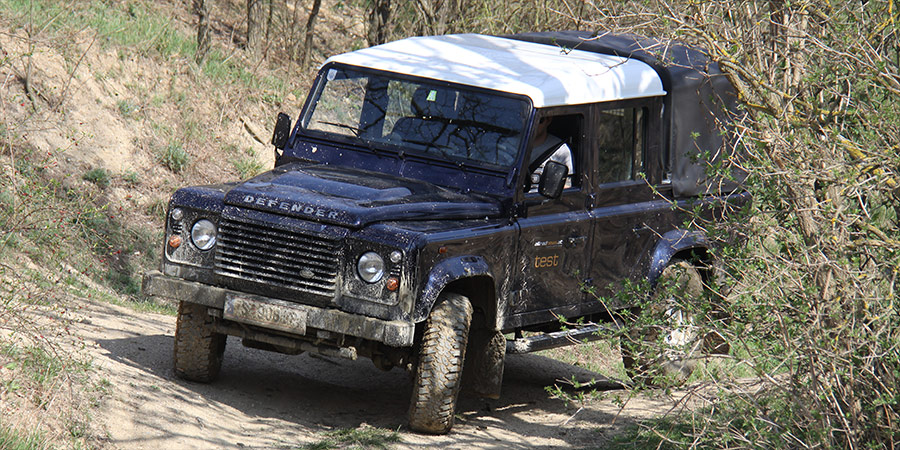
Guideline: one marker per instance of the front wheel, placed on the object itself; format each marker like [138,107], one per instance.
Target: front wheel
[198,348]
[439,369]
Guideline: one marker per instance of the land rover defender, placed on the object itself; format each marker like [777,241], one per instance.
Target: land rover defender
[415,215]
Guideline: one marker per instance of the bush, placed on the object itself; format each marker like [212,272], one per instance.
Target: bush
[247,167]
[174,157]
[812,306]
[98,176]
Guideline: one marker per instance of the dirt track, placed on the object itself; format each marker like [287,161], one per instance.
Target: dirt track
[267,400]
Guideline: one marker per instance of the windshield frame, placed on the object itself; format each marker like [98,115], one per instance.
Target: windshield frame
[402,150]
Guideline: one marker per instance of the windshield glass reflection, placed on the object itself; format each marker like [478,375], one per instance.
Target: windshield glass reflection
[448,122]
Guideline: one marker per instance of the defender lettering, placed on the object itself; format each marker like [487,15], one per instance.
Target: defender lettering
[292,207]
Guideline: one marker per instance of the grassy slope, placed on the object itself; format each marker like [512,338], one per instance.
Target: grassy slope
[103,113]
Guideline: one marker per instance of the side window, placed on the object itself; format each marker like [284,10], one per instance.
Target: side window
[556,138]
[621,134]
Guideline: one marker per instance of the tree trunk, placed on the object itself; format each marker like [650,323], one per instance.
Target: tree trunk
[310,29]
[379,21]
[200,7]
[269,18]
[255,24]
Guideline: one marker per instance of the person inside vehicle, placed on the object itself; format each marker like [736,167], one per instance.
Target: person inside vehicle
[548,147]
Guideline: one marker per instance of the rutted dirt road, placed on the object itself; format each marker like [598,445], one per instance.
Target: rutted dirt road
[267,400]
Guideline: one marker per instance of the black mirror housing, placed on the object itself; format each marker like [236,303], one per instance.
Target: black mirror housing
[282,131]
[553,179]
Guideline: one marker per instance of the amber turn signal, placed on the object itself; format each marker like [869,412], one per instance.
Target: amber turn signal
[175,241]
[392,284]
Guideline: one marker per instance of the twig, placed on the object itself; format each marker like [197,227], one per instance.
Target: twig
[565,422]
[65,90]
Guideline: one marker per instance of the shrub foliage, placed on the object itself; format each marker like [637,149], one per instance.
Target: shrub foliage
[812,301]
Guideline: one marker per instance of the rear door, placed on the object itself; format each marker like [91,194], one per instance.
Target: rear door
[627,216]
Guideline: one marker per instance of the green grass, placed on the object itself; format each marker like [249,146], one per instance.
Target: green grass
[136,26]
[600,356]
[174,157]
[365,437]
[769,420]
[126,108]
[247,167]
[157,208]
[41,366]
[131,177]
[12,439]
[61,229]
[220,67]
[138,303]
[98,176]
[191,130]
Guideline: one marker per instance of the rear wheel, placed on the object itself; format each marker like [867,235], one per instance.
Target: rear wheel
[439,369]
[664,352]
[199,349]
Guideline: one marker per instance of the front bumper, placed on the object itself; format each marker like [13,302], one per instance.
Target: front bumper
[393,333]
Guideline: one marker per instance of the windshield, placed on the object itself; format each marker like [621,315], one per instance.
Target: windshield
[416,116]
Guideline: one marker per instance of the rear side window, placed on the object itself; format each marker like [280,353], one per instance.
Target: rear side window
[620,134]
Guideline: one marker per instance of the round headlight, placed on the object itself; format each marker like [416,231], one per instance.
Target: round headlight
[370,267]
[203,234]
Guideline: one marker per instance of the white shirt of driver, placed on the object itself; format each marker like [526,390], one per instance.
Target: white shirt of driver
[562,155]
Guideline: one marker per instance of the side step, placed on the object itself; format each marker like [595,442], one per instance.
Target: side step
[561,338]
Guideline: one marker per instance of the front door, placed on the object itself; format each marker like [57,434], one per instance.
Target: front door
[555,234]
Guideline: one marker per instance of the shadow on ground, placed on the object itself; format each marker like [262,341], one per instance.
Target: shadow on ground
[256,391]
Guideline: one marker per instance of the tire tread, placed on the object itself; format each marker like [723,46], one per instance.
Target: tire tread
[439,371]
[198,349]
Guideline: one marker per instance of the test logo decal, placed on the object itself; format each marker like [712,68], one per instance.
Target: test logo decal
[545,262]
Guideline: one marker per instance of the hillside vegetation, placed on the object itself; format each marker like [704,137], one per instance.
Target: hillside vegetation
[106,108]
[103,114]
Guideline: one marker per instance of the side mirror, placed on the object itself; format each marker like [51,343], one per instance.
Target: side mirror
[282,131]
[553,179]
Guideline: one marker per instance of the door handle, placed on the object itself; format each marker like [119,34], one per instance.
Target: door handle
[572,241]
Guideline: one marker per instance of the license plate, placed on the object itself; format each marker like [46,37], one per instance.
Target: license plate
[278,315]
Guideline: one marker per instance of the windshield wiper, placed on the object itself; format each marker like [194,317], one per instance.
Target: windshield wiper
[357,133]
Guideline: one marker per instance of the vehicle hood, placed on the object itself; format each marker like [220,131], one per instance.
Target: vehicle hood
[353,197]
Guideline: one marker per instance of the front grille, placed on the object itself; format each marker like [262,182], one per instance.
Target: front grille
[276,258]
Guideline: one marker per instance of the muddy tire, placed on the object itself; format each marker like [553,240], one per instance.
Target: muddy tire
[440,365]
[665,352]
[198,348]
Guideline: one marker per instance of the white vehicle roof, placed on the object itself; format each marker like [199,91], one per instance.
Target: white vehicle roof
[549,75]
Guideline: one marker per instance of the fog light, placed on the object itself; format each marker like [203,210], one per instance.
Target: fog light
[392,284]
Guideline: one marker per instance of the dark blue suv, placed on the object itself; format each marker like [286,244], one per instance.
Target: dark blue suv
[441,196]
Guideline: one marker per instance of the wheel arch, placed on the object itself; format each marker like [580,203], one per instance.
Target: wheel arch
[465,275]
[692,246]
